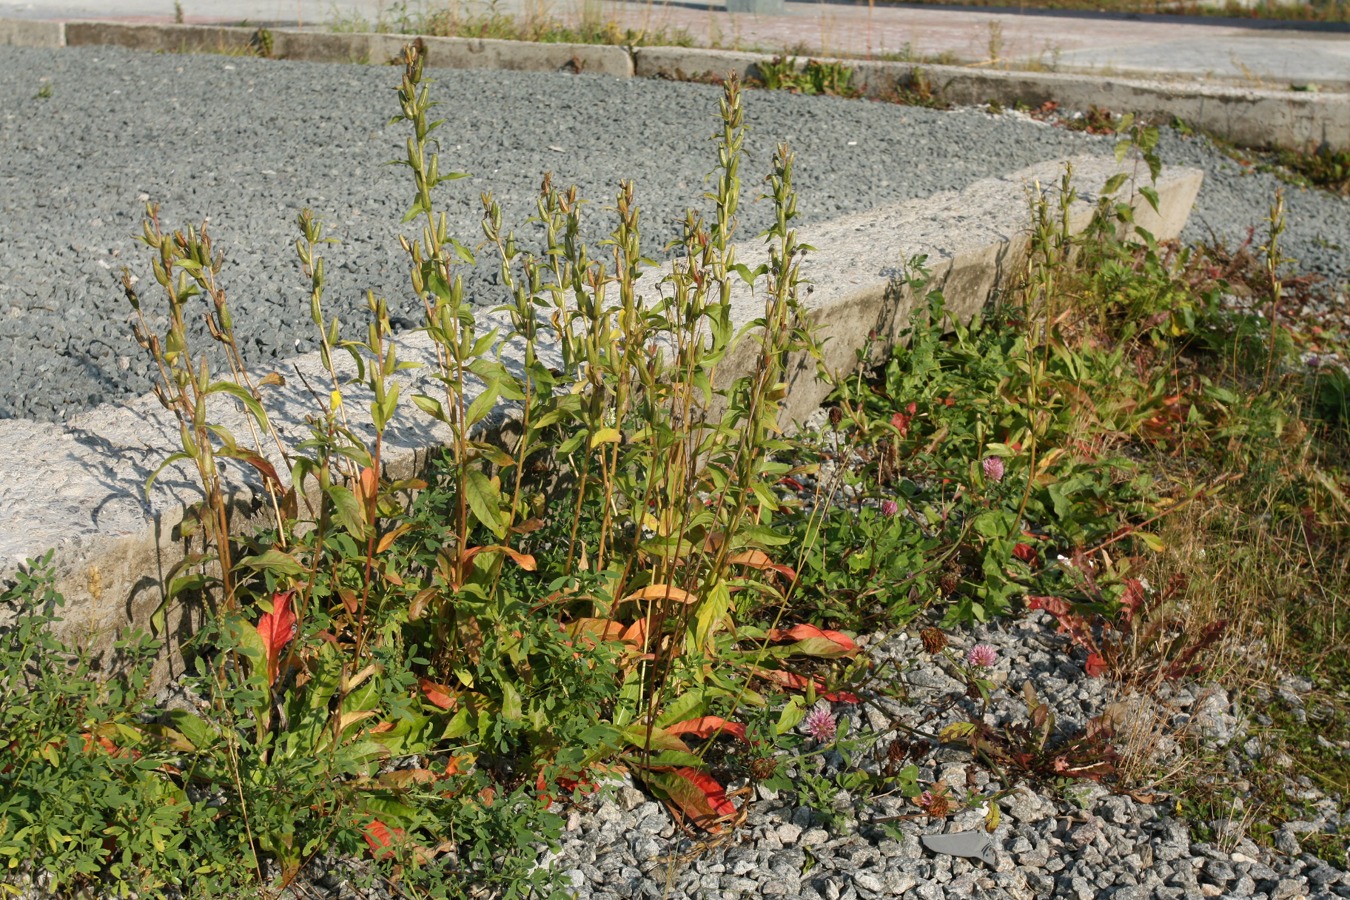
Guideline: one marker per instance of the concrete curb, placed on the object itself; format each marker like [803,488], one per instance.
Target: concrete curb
[116,547]
[29,33]
[1248,117]
[313,46]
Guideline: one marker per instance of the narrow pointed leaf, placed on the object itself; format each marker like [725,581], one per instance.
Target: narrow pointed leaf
[277,629]
[696,794]
[708,726]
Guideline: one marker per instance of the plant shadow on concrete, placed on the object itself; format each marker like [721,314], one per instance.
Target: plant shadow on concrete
[405,679]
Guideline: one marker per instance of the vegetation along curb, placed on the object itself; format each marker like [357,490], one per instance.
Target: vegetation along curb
[116,546]
[1248,117]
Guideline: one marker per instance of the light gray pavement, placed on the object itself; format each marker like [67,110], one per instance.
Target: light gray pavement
[1255,53]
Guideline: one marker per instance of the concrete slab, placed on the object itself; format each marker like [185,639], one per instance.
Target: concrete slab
[161,38]
[449,53]
[29,33]
[80,488]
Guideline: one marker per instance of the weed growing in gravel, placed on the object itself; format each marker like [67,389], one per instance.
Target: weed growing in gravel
[403,677]
[783,73]
[1170,487]
[422,680]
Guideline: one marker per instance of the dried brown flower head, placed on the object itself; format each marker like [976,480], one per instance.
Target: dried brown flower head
[763,768]
[934,641]
[949,582]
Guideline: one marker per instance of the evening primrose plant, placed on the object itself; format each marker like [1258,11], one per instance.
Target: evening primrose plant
[618,563]
[532,610]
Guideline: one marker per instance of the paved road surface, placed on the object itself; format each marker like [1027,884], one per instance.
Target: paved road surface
[1249,51]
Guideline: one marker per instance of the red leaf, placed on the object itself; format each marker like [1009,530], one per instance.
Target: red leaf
[696,794]
[1025,552]
[807,632]
[708,726]
[792,681]
[438,694]
[277,629]
[1132,599]
[381,839]
[1095,666]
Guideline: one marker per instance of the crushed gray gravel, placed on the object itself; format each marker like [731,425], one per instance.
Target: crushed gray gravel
[88,135]
[1076,839]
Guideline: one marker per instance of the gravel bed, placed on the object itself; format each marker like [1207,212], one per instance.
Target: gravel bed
[1077,840]
[88,135]
[1072,839]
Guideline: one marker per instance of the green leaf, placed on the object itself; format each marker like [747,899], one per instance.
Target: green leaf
[1151,541]
[690,704]
[430,405]
[347,510]
[794,711]
[484,501]
[272,560]
[605,436]
[482,405]
[241,394]
[511,703]
[168,461]
[1151,196]
[712,611]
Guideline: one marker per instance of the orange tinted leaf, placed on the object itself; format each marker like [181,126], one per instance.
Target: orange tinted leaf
[370,484]
[390,536]
[277,629]
[381,839]
[438,694]
[636,634]
[755,559]
[708,726]
[696,794]
[795,682]
[662,592]
[600,629]
[816,641]
[758,559]
[524,560]
[1096,665]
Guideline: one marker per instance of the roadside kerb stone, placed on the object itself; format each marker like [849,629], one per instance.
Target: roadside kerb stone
[162,38]
[450,53]
[1245,116]
[30,33]
[80,487]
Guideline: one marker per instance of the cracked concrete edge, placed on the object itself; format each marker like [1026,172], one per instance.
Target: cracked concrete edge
[1245,116]
[81,487]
